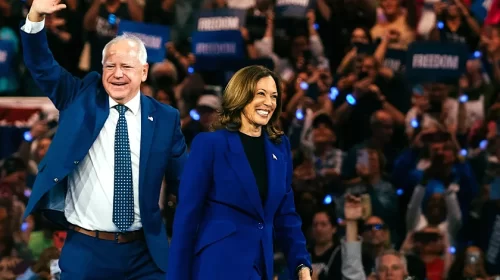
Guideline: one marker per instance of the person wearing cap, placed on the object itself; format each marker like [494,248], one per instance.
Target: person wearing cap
[202,117]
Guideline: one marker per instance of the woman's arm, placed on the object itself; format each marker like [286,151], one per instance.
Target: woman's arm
[287,223]
[195,184]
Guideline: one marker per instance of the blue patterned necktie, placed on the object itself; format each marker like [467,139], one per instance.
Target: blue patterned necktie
[123,199]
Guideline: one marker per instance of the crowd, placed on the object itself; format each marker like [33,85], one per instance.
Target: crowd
[391,178]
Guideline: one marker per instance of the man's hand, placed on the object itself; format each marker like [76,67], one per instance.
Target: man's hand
[40,8]
[353,210]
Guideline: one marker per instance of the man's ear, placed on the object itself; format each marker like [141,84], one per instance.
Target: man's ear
[145,70]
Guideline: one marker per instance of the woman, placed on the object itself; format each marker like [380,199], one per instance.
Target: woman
[235,196]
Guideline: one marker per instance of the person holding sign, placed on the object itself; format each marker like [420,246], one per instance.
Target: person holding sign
[101,178]
[235,197]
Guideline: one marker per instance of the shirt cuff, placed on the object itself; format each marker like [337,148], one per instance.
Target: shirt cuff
[31,27]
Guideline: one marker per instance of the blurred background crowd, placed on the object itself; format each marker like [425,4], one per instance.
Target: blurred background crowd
[419,151]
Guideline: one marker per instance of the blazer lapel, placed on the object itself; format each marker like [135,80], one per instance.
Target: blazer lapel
[239,162]
[102,111]
[275,180]
[147,133]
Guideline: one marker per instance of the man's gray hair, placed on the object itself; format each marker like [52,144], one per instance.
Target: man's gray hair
[393,253]
[142,55]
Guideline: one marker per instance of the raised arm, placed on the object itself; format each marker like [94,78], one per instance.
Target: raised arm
[57,83]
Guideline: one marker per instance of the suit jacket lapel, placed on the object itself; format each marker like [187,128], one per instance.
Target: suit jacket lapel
[239,162]
[102,111]
[147,133]
[275,167]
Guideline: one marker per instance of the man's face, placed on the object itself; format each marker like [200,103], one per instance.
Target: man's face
[123,72]
[375,232]
[207,116]
[323,229]
[390,268]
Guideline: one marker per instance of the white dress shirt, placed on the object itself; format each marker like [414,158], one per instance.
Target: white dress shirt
[89,201]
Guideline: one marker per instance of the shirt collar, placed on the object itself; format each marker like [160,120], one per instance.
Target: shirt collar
[134,105]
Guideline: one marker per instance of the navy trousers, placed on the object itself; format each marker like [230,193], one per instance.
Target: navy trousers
[88,258]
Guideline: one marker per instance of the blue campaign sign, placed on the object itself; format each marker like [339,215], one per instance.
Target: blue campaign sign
[480,8]
[220,19]
[293,8]
[7,53]
[228,43]
[395,60]
[436,61]
[153,36]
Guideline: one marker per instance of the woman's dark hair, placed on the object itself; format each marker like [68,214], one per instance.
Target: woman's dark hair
[239,92]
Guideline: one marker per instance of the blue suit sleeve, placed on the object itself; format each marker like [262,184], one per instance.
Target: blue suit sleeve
[195,184]
[288,225]
[177,158]
[58,84]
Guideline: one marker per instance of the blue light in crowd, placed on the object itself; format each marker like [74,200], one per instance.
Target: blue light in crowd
[477,54]
[414,123]
[299,114]
[452,250]
[339,220]
[304,85]
[440,25]
[463,152]
[24,226]
[328,199]
[463,98]
[27,136]
[334,92]
[112,19]
[350,99]
[483,144]
[399,192]
[190,70]
[194,115]
[316,26]
[27,193]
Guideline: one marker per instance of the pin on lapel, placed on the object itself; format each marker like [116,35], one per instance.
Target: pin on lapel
[150,118]
[274,157]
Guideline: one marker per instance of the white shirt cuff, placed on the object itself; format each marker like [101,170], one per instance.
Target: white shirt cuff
[31,27]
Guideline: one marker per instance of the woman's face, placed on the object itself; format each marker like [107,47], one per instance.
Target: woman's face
[323,229]
[359,36]
[259,111]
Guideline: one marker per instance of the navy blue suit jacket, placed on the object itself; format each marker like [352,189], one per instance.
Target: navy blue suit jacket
[83,105]
[221,223]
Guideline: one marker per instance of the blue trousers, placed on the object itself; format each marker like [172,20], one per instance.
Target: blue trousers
[88,258]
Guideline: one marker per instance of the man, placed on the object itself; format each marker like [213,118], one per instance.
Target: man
[101,176]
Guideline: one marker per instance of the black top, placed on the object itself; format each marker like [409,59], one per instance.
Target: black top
[256,155]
